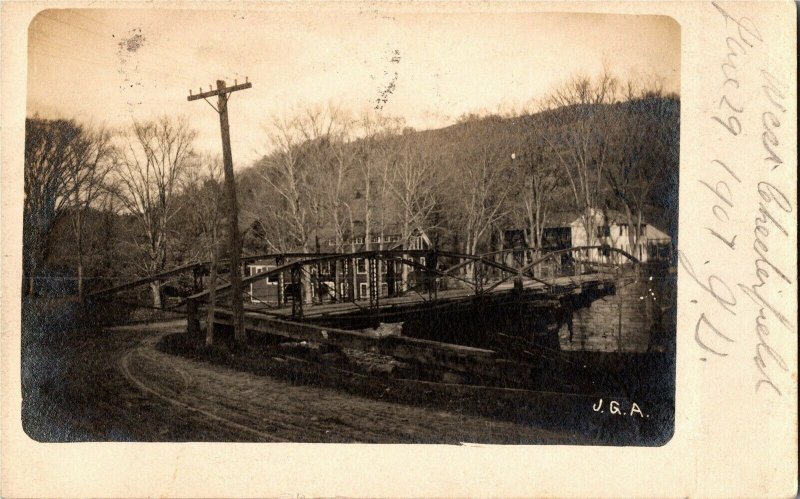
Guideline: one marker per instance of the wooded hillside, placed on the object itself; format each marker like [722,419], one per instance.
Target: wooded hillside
[468,182]
[106,206]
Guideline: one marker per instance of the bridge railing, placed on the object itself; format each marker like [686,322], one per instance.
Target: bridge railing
[573,266]
[424,274]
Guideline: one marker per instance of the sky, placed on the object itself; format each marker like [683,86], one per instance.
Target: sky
[111,67]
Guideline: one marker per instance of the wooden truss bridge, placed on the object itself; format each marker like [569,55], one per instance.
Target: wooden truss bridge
[434,281]
[438,277]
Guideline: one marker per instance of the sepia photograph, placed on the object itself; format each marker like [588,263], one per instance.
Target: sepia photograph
[357,227]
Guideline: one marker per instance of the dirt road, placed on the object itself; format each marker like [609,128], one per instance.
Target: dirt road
[116,385]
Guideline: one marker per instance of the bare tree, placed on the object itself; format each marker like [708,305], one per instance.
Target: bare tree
[206,205]
[331,155]
[413,187]
[538,182]
[262,212]
[288,174]
[378,154]
[577,117]
[284,172]
[88,187]
[64,167]
[152,160]
[109,234]
[480,183]
[644,149]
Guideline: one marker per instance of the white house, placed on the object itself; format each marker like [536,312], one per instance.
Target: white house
[612,229]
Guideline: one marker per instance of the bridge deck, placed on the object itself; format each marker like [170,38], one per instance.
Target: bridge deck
[563,285]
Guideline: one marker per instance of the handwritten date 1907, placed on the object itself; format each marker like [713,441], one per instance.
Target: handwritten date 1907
[770,230]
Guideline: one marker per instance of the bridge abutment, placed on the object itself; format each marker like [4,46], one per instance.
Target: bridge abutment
[624,321]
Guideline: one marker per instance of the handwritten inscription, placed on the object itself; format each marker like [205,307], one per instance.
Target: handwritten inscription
[614,408]
[734,117]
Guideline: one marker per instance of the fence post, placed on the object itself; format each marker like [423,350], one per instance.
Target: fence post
[297,292]
[279,261]
[373,282]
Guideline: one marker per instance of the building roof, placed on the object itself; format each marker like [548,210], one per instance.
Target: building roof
[567,218]
[328,232]
[561,218]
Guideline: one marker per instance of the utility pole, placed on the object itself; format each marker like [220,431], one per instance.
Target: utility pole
[223,93]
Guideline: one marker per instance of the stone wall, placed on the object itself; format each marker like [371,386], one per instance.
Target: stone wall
[619,322]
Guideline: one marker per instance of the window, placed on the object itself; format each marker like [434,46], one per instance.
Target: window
[637,230]
[422,260]
[376,239]
[603,231]
[363,292]
[658,251]
[358,240]
[361,266]
[258,269]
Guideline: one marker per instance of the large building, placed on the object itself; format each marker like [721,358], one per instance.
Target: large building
[612,230]
[567,230]
[353,277]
